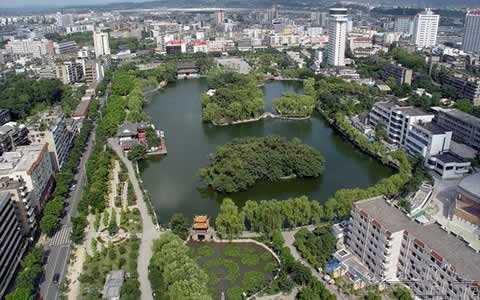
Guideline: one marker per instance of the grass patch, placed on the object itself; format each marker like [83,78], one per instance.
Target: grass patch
[233,270]
[270,267]
[250,259]
[232,251]
[253,281]
[234,293]
[205,251]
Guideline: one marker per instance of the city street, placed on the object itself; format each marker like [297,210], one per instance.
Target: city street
[59,246]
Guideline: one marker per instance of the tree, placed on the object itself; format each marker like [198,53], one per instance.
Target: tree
[180,225]
[137,153]
[301,274]
[372,296]
[309,87]
[402,293]
[229,222]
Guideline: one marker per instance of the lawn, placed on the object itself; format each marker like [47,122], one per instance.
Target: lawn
[234,268]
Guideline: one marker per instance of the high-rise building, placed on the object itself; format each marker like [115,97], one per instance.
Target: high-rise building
[337,36]
[219,17]
[12,240]
[403,24]
[471,36]
[425,29]
[64,20]
[101,43]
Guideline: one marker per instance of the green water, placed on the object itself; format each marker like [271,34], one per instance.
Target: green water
[173,182]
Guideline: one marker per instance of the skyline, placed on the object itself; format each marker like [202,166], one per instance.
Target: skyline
[53,3]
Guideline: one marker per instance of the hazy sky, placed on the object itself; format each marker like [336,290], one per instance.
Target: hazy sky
[16,3]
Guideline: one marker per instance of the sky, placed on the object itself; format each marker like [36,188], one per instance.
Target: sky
[20,3]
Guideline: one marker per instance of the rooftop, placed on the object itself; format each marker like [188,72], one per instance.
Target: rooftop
[458,114]
[433,128]
[448,157]
[464,259]
[21,160]
[471,184]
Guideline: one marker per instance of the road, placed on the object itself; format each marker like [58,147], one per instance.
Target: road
[59,246]
[150,231]
[289,237]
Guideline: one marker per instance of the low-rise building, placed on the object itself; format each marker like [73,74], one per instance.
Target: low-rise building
[448,165]
[12,241]
[401,74]
[465,127]
[425,257]
[397,119]
[68,47]
[467,205]
[465,87]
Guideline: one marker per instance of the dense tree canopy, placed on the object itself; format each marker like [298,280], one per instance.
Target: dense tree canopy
[229,222]
[237,97]
[20,94]
[173,273]
[236,166]
[294,105]
[317,246]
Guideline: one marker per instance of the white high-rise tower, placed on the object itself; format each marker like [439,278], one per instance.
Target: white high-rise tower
[471,36]
[101,43]
[337,36]
[425,29]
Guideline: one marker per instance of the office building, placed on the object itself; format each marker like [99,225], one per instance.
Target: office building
[425,29]
[55,131]
[101,43]
[12,241]
[465,127]
[401,74]
[427,139]
[397,119]
[471,34]
[68,47]
[425,257]
[33,165]
[337,37]
[403,24]
[12,135]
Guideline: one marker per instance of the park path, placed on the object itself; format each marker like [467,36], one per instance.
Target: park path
[150,231]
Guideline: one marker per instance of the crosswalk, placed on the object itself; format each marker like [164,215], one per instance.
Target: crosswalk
[62,237]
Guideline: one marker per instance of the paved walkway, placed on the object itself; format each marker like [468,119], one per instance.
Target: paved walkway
[150,231]
[289,237]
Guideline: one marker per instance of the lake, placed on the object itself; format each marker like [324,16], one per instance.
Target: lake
[173,181]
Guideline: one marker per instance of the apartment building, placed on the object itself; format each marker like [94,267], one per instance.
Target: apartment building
[33,165]
[27,213]
[29,47]
[397,119]
[465,87]
[12,241]
[337,36]
[465,127]
[12,135]
[93,71]
[70,71]
[425,28]
[432,262]
[401,74]
[55,131]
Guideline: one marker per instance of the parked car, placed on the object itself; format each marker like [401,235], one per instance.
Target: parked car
[56,278]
